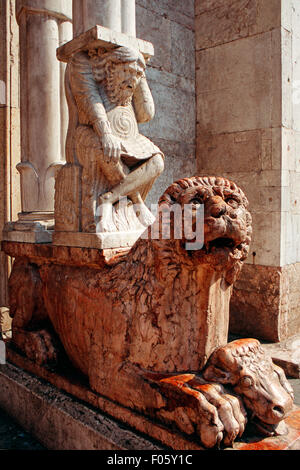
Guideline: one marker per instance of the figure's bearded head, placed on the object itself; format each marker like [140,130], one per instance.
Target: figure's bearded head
[120,71]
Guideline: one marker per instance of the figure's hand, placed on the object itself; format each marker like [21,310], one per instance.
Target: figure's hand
[111,146]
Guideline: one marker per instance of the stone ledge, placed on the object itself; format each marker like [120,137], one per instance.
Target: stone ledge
[80,390]
[44,236]
[63,255]
[265,302]
[101,241]
[99,36]
[286,354]
[61,422]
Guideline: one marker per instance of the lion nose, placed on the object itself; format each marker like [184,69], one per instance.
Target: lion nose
[218,207]
[278,411]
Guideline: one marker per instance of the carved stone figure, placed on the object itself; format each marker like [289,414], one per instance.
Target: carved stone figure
[143,328]
[244,366]
[107,95]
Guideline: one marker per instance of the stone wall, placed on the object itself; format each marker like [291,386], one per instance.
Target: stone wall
[239,109]
[248,123]
[248,113]
[290,220]
[169,25]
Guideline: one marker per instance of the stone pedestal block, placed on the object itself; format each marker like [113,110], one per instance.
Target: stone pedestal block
[265,302]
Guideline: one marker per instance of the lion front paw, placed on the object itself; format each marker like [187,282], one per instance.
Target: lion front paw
[40,348]
[207,409]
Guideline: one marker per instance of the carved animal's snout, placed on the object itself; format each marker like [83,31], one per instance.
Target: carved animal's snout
[222,228]
[263,394]
[280,409]
[216,207]
[261,384]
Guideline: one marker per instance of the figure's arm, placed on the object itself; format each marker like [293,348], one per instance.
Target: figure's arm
[85,90]
[143,102]
[88,100]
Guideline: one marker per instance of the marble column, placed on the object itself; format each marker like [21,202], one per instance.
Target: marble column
[128,17]
[44,26]
[117,15]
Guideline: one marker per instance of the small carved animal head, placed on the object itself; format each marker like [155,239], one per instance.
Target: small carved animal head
[261,384]
[227,222]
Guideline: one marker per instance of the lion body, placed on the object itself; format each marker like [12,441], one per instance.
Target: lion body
[159,311]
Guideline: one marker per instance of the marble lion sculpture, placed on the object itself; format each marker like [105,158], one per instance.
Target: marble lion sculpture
[150,330]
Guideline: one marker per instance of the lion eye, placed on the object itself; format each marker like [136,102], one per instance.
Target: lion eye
[247,381]
[232,202]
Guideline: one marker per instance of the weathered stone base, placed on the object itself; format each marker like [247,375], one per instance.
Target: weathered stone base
[58,421]
[30,228]
[266,302]
[100,241]
[79,388]
[30,236]
[63,423]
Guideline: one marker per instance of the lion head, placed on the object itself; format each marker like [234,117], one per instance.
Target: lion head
[227,222]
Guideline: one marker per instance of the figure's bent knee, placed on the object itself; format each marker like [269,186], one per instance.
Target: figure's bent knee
[158,163]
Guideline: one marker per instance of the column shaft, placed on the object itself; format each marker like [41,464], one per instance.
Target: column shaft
[118,15]
[87,14]
[43,120]
[128,17]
